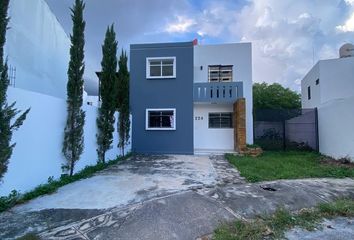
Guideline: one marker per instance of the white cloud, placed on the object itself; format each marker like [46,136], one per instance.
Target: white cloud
[349,2]
[328,52]
[348,25]
[287,36]
[181,25]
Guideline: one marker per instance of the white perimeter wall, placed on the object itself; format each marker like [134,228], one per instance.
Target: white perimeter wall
[240,56]
[38,47]
[336,128]
[206,138]
[37,154]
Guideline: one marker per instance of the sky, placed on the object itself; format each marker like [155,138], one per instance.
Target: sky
[287,36]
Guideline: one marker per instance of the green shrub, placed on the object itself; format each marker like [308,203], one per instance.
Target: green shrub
[9,201]
[29,236]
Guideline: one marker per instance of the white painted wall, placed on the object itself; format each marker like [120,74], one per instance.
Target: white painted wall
[336,128]
[38,47]
[37,154]
[336,81]
[92,100]
[240,56]
[206,138]
[310,80]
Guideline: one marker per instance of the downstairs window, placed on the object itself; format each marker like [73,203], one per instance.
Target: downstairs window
[220,120]
[161,119]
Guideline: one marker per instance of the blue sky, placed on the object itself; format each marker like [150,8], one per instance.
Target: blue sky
[287,36]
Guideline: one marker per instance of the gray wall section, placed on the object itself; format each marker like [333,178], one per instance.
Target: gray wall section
[162,93]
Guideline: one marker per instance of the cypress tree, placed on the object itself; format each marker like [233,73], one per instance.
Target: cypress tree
[123,102]
[8,121]
[105,120]
[73,144]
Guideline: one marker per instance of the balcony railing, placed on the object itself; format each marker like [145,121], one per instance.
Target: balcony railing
[220,92]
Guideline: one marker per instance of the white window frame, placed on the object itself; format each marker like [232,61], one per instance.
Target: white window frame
[160,109]
[148,59]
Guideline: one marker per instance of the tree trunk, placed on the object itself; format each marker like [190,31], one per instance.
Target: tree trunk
[71,167]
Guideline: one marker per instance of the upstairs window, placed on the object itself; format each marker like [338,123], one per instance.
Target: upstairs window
[161,119]
[220,120]
[161,67]
[220,73]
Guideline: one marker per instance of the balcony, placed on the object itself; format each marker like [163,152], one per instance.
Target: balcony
[217,92]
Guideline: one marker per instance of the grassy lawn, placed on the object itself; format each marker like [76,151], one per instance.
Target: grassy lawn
[287,165]
[274,227]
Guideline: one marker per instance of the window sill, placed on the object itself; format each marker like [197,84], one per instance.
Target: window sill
[160,129]
[162,77]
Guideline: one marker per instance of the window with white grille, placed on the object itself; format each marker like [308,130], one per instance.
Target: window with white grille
[161,67]
[220,73]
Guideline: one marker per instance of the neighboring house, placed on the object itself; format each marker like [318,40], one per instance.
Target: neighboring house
[188,98]
[37,48]
[329,87]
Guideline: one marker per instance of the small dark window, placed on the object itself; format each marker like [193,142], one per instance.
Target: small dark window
[308,92]
[317,81]
[220,120]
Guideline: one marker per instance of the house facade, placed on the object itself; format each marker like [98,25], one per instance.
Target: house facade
[188,98]
[329,87]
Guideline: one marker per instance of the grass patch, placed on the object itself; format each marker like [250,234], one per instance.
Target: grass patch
[274,227]
[287,165]
[15,197]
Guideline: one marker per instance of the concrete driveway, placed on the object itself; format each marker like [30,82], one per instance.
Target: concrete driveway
[161,197]
[134,181]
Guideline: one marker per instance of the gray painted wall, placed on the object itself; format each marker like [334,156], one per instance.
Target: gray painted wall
[162,93]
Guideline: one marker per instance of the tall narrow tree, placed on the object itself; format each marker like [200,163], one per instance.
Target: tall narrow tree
[8,121]
[106,119]
[123,102]
[73,144]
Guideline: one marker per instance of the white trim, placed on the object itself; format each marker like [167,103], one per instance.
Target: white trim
[160,109]
[160,58]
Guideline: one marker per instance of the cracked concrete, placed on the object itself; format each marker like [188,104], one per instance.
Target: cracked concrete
[162,197]
[335,229]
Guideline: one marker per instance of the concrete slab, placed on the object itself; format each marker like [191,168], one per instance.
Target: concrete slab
[141,178]
[334,229]
[13,225]
[250,200]
[181,216]
[162,197]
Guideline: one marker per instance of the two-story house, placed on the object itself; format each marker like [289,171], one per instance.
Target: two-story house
[188,98]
